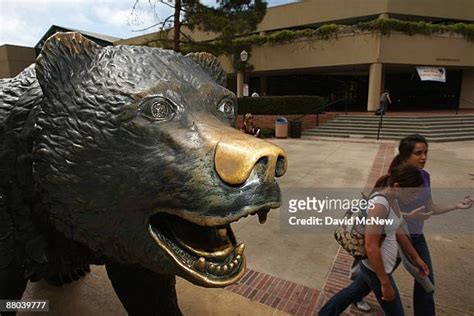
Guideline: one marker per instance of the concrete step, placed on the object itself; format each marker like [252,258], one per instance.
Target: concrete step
[390,116]
[458,125]
[419,129]
[413,117]
[411,123]
[405,118]
[434,128]
[393,137]
[398,120]
[387,133]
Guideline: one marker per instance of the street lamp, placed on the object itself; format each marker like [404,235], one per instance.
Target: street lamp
[244,56]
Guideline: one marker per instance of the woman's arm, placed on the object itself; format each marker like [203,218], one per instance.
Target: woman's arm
[436,209]
[418,213]
[373,234]
[405,243]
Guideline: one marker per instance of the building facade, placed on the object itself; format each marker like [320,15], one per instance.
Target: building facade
[362,64]
[358,66]
[13,58]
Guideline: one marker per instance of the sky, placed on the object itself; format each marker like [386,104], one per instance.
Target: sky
[24,22]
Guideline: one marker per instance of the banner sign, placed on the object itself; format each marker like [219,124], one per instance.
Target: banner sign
[432,73]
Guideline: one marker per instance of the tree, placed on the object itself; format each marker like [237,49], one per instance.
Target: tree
[227,19]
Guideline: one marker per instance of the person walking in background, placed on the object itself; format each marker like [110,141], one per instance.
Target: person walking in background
[384,102]
[376,271]
[413,151]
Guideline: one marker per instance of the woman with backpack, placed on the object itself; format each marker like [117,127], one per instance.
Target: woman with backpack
[413,151]
[381,245]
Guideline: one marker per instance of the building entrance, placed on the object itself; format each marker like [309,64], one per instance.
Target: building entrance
[349,92]
[409,93]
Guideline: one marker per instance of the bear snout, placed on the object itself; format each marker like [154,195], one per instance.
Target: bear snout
[237,156]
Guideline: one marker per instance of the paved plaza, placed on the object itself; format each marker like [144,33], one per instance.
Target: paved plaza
[294,273]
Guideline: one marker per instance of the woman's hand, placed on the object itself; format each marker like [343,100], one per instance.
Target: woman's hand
[422,267]
[465,203]
[418,213]
[388,293]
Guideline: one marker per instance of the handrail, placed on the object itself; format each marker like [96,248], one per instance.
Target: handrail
[320,109]
[459,103]
[379,128]
[466,100]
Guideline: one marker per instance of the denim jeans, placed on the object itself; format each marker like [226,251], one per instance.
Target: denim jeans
[423,303]
[365,282]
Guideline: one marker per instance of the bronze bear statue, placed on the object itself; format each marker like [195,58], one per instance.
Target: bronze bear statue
[126,156]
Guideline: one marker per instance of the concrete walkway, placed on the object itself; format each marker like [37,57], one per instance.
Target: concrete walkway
[290,272]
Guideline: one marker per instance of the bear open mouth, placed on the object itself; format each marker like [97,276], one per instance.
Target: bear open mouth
[210,254]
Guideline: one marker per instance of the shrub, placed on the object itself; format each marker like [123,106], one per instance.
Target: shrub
[328,30]
[282,36]
[267,132]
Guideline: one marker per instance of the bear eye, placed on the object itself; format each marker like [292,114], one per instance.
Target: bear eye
[226,107]
[158,109]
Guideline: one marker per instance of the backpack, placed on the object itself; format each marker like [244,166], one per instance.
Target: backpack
[352,237]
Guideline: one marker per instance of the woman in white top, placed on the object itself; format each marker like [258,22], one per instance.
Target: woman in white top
[381,245]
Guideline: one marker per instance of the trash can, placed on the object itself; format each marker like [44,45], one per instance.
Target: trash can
[295,129]
[281,127]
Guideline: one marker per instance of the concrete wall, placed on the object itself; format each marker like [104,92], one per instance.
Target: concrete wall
[4,62]
[467,90]
[446,9]
[364,48]
[343,50]
[446,50]
[138,40]
[13,59]
[319,11]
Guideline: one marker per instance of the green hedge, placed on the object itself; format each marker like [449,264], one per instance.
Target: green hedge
[385,26]
[300,104]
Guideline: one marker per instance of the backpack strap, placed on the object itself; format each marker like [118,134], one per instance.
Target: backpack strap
[382,195]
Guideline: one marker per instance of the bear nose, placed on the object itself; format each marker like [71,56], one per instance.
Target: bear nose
[235,158]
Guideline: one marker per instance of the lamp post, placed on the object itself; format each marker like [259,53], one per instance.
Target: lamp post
[244,56]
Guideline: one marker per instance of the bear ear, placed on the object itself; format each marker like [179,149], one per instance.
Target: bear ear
[211,65]
[63,56]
